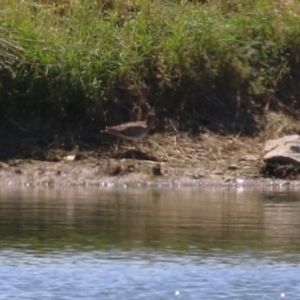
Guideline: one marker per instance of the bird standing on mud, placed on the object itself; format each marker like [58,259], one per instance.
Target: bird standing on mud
[133,131]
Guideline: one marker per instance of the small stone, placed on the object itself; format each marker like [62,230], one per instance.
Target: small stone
[114,170]
[217,172]
[70,157]
[14,162]
[3,165]
[233,167]
[228,179]
[18,171]
[156,170]
[130,168]
[197,176]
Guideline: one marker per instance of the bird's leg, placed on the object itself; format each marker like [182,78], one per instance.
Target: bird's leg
[115,148]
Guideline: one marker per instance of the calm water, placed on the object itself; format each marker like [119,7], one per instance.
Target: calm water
[149,244]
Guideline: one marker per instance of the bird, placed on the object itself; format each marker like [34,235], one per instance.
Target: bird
[133,131]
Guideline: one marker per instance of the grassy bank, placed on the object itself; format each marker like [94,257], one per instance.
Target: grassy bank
[70,67]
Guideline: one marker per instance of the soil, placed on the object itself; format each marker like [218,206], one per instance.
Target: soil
[168,159]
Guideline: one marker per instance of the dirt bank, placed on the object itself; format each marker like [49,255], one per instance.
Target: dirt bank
[163,159]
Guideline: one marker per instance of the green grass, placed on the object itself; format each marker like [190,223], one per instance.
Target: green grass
[64,67]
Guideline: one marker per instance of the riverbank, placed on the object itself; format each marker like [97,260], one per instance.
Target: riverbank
[164,159]
[222,76]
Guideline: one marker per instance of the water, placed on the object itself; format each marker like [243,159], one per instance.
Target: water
[149,244]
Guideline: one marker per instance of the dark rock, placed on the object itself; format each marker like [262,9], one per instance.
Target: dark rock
[285,150]
[233,167]
[156,170]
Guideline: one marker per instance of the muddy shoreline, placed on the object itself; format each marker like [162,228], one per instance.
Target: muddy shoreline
[209,161]
[85,173]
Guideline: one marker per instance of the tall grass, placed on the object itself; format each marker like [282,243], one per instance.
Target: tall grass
[65,63]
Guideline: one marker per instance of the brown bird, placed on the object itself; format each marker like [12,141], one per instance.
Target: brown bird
[133,131]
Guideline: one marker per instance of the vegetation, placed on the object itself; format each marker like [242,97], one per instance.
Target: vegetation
[68,67]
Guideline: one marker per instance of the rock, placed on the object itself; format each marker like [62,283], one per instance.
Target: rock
[217,172]
[18,171]
[3,165]
[233,167]
[156,170]
[198,176]
[71,157]
[228,179]
[114,170]
[14,162]
[285,150]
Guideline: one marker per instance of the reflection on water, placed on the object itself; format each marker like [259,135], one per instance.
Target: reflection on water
[148,244]
[178,219]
